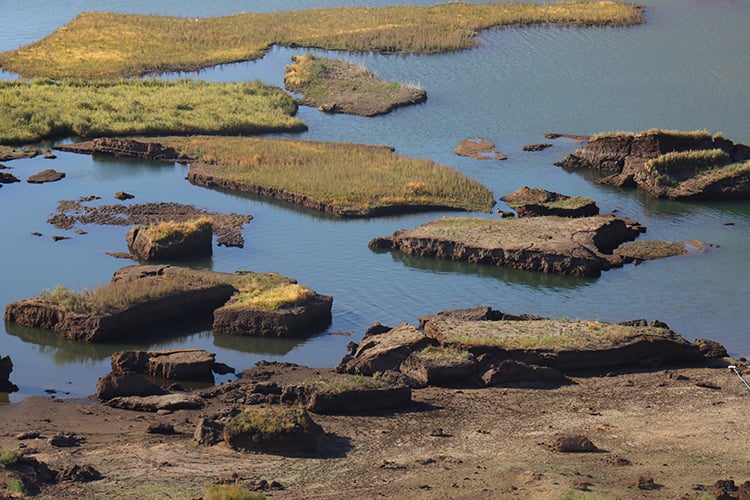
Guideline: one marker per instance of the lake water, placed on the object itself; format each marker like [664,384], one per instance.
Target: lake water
[687,68]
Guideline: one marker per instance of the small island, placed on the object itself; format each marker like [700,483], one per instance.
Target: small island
[341,87]
[109,45]
[534,202]
[144,296]
[582,247]
[668,164]
[60,109]
[342,179]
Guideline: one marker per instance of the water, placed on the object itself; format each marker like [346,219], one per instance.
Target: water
[686,68]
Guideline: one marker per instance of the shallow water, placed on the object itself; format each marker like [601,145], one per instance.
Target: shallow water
[686,68]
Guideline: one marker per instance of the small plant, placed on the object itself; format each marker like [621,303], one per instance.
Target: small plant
[230,492]
[268,419]
[172,229]
[9,457]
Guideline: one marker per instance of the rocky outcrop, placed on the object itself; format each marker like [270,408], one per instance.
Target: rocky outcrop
[127,148]
[171,240]
[488,347]
[6,366]
[535,202]
[161,293]
[165,402]
[48,175]
[346,394]
[7,178]
[667,164]
[294,320]
[579,247]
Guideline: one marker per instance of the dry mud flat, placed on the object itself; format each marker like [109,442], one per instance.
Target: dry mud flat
[683,428]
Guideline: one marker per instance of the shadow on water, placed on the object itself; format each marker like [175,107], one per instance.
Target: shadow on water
[257,345]
[533,279]
[64,351]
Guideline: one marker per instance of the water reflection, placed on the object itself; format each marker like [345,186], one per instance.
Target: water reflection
[257,345]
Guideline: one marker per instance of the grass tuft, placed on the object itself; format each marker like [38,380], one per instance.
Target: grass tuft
[9,457]
[230,492]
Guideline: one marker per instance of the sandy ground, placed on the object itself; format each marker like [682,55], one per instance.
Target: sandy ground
[683,428]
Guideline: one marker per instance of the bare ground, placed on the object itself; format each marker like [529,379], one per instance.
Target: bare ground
[683,428]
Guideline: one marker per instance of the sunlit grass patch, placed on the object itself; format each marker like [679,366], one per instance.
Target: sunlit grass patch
[106,45]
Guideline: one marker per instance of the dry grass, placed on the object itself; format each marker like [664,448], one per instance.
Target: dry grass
[684,164]
[349,177]
[680,134]
[106,45]
[556,335]
[342,87]
[44,109]
[271,299]
[171,229]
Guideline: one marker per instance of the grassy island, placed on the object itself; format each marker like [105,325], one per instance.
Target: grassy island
[107,45]
[344,179]
[45,109]
[341,87]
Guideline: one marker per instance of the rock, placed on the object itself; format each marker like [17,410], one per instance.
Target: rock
[579,247]
[60,238]
[6,366]
[536,202]
[128,383]
[377,329]
[479,149]
[646,483]
[49,155]
[171,402]
[160,428]
[537,147]
[6,178]
[208,432]
[574,444]
[28,435]
[122,196]
[711,348]
[182,364]
[48,175]
[128,148]
[79,473]
[303,318]
[65,440]
[513,372]
[668,164]
[481,313]
[386,351]
[171,240]
[277,428]
[439,365]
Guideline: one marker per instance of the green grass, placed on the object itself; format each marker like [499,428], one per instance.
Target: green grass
[171,229]
[542,334]
[339,86]
[267,419]
[17,487]
[45,109]
[116,296]
[347,177]
[106,45]
[230,492]
[682,164]
[341,383]
[9,457]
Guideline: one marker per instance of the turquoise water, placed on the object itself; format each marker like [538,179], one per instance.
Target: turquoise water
[686,68]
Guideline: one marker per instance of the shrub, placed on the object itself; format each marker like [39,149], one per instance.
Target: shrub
[9,457]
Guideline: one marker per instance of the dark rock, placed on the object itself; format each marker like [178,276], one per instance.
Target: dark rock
[122,195]
[222,368]
[303,318]
[60,238]
[65,440]
[48,175]
[34,474]
[512,372]
[436,366]
[36,233]
[711,348]
[208,432]
[6,178]
[275,428]
[481,313]
[28,435]
[160,428]
[6,366]
[377,329]
[505,214]
[118,384]
[184,240]
[386,351]
[536,202]
[381,243]
[537,147]
[79,473]
[646,483]
[129,148]
[574,444]
[627,156]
